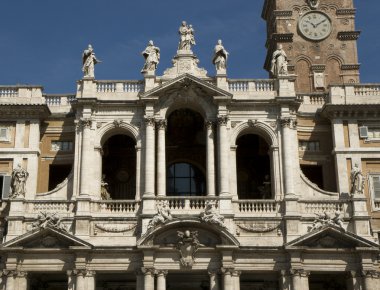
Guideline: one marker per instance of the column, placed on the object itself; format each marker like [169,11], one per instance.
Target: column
[90,279]
[70,280]
[85,176]
[148,278]
[139,279]
[161,279]
[210,162]
[10,279]
[138,173]
[275,174]
[161,158]
[214,280]
[287,153]
[21,281]
[300,279]
[80,279]
[284,280]
[98,172]
[149,156]
[233,173]
[371,280]
[236,279]
[223,155]
[353,281]
[228,283]
[34,144]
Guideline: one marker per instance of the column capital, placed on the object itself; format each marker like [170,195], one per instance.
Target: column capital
[148,271]
[209,124]
[84,123]
[222,120]
[150,121]
[79,272]
[213,272]
[227,271]
[236,273]
[162,272]
[371,274]
[161,124]
[9,273]
[288,122]
[299,272]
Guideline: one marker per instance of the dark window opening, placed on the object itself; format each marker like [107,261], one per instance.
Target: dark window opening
[57,174]
[253,168]
[119,168]
[44,281]
[327,281]
[314,173]
[184,179]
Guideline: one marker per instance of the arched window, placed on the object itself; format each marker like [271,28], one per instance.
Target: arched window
[184,179]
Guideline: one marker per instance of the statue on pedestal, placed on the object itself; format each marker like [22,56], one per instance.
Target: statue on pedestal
[279,62]
[152,57]
[357,181]
[187,38]
[18,182]
[220,57]
[89,61]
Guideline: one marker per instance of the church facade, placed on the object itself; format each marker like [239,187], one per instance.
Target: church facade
[191,181]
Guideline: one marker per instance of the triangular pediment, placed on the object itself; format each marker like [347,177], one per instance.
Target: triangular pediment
[46,238]
[185,83]
[331,237]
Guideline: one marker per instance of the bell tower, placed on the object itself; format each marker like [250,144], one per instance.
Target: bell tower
[319,38]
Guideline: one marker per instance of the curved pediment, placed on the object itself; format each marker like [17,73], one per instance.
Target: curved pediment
[208,236]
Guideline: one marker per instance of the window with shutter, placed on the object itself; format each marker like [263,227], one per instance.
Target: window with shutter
[4,134]
[376,186]
[5,186]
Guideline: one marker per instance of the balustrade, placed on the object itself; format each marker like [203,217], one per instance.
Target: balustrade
[258,206]
[106,87]
[53,100]
[50,206]
[367,90]
[319,207]
[251,85]
[187,203]
[133,87]
[115,206]
[8,92]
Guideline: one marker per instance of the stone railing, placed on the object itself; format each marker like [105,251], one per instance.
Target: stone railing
[250,85]
[59,100]
[313,207]
[367,90]
[187,204]
[257,206]
[115,206]
[119,86]
[8,92]
[315,99]
[50,206]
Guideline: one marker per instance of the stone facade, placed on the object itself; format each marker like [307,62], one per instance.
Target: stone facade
[195,182]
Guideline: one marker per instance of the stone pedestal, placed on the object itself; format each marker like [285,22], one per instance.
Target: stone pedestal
[150,79]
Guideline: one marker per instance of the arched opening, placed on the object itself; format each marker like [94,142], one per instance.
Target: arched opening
[119,168]
[185,179]
[185,153]
[253,167]
[333,71]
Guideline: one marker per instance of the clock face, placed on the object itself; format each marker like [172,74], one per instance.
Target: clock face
[315,25]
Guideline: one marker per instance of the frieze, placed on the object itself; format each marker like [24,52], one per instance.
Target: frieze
[350,66]
[259,227]
[115,228]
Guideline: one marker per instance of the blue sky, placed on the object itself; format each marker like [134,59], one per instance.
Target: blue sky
[41,41]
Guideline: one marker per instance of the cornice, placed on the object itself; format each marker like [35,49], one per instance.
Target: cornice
[283,37]
[357,111]
[17,111]
[283,13]
[346,11]
[350,66]
[348,35]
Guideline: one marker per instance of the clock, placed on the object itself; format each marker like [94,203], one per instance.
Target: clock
[315,25]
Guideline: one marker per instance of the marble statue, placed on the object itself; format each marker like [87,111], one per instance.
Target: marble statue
[18,182]
[152,57]
[163,215]
[357,181]
[104,193]
[279,62]
[187,245]
[210,215]
[313,4]
[220,57]
[52,220]
[89,61]
[187,38]
[265,189]
[326,219]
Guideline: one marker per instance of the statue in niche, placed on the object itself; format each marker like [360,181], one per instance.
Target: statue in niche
[357,180]
[326,219]
[313,4]
[210,215]
[104,189]
[152,57]
[265,188]
[162,216]
[89,61]
[187,38]
[18,182]
[52,220]
[220,57]
[279,62]
[187,246]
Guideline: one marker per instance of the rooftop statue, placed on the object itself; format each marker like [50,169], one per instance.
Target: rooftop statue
[89,61]
[187,38]
[152,57]
[220,57]
[279,62]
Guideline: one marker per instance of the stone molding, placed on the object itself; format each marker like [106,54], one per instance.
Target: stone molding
[282,37]
[371,274]
[346,11]
[348,35]
[209,124]
[300,273]
[350,67]
[282,13]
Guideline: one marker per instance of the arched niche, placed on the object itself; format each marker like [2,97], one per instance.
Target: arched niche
[303,70]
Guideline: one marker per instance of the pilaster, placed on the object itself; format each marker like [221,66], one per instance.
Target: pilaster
[210,162]
[161,158]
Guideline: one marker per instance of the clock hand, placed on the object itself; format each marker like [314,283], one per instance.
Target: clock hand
[320,23]
[307,21]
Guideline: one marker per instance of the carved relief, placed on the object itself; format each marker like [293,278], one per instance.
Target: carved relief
[326,219]
[114,228]
[52,220]
[149,121]
[188,244]
[259,227]
[163,215]
[211,216]
[161,124]
[222,120]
